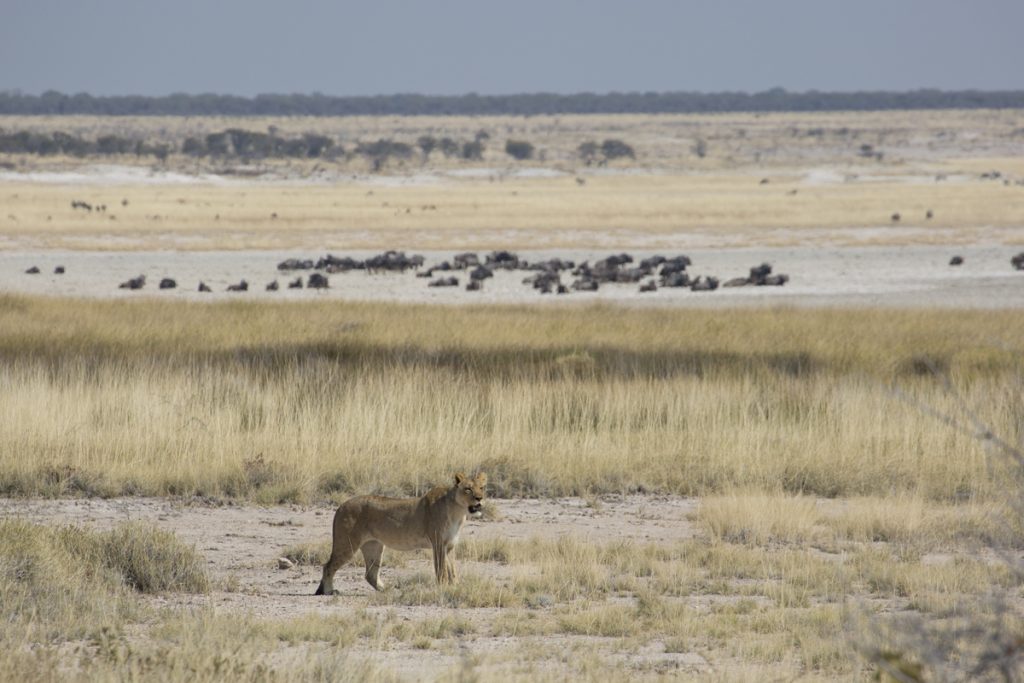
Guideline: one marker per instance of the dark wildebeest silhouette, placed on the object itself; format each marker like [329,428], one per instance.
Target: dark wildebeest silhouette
[134,283]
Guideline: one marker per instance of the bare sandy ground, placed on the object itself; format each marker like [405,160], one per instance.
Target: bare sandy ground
[906,276]
[242,544]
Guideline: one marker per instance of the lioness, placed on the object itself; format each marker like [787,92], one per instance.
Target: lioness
[369,523]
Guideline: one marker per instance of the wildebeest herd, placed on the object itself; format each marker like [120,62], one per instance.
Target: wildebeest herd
[545,276]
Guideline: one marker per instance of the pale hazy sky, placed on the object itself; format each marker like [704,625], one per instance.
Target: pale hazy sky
[449,47]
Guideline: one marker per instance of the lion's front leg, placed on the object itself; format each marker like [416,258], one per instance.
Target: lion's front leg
[449,571]
[449,566]
[440,562]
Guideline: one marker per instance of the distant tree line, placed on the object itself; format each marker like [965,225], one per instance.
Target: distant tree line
[58,142]
[238,143]
[778,99]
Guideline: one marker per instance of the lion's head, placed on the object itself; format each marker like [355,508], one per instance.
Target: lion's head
[470,492]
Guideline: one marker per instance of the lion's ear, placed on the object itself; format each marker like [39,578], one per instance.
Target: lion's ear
[459,478]
[481,479]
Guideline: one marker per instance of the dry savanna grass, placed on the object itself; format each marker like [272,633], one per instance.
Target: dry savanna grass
[717,607]
[610,211]
[310,401]
[817,185]
[832,508]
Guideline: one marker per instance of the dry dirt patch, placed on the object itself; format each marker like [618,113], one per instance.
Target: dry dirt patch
[242,544]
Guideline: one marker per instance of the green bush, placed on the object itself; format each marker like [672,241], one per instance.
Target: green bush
[519,149]
[616,149]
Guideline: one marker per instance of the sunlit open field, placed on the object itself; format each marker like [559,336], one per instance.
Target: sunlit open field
[719,493]
[826,493]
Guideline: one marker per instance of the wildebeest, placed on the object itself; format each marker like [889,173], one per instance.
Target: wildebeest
[586,284]
[474,285]
[296,283]
[676,264]
[393,260]
[704,284]
[272,286]
[317,281]
[481,273]
[545,281]
[503,259]
[956,261]
[59,270]
[34,270]
[1018,261]
[466,260]
[168,283]
[203,287]
[759,275]
[134,283]
[652,262]
[675,279]
[649,286]
[295,264]
[444,282]
[242,286]
[336,264]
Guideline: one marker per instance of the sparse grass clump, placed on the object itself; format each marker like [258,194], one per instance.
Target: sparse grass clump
[66,582]
[152,560]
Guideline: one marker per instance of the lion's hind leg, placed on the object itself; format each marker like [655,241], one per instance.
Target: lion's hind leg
[340,554]
[373,553]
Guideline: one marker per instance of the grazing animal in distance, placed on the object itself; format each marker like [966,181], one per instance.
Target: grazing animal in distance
[242,286]
[203,287]
[373,523]
[134,283]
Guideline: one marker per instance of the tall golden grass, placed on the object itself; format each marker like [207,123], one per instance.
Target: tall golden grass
[630,210]
[308,401]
